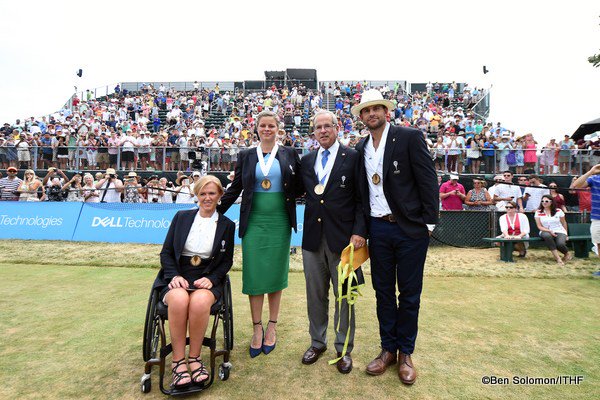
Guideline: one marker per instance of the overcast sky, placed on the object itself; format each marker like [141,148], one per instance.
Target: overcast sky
[536,51]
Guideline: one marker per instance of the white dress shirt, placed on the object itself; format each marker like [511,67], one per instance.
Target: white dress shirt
[330,161]
[201,238]
[377,200]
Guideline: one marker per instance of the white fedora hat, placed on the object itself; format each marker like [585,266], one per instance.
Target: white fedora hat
[370,98]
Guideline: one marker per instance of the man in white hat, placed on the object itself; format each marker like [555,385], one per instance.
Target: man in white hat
[400,198]
[110,187]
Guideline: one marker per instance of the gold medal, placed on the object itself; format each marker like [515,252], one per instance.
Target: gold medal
[319,189]
[196,261]
[376,178]
[266,184]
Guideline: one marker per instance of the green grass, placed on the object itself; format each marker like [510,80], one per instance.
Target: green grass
[75,331]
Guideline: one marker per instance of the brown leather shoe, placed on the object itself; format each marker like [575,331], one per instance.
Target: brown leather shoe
[406,369]
[312,355]
[344,364]
[381,363]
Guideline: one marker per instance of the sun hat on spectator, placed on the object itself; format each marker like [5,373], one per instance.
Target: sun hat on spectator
[182,177]
[111,171]
[454,177]
[196,173]
[11,169]
[370,98]
[131,175]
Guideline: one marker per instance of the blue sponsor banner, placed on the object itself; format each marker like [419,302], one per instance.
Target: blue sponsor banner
[102,222]
[126,223]
[38,220]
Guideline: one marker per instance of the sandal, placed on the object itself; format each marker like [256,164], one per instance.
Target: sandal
[199,372]
[178,376]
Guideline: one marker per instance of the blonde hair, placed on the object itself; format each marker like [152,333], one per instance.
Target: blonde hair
[267,113]
[205,180]
[30,171]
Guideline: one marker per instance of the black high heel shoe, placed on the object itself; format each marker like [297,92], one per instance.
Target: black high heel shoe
[267,349]
[255,352]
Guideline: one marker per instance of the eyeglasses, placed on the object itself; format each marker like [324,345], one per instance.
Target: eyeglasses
[509,207]
[546,201]
[319,127]
[552,187]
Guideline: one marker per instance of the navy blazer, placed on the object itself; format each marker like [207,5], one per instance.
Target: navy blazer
[338,212]
[409,180]
[245,175]
[221,255]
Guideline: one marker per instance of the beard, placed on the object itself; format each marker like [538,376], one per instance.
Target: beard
[375,124]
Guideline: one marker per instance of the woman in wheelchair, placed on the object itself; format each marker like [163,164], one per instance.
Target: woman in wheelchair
[195,258]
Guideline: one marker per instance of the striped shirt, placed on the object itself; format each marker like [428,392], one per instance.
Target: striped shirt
[594,183]
[7,187]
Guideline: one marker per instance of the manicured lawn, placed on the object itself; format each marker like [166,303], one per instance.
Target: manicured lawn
[71,330]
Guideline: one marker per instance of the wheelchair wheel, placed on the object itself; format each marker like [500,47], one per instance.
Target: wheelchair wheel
[228,316]
[146,384]
[151,333]
[224,370]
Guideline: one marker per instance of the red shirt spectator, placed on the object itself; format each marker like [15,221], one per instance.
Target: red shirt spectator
[452,194]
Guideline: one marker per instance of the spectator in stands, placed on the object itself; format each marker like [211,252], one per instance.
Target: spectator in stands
[478,198]
[439,154]
[103,159]
[110,187]
[9,185]
[46,142]
[533,194]
[553,229]
[62,151]
[128,144]
[452,194]
[489,155]
[113,149]
[584,197]
[564,154]
[90,193]
[23,154]
[530,156]
[167,189]
[454,149]
[591,179]
[3,156]
[132,190]
[515,225]
[548,158]
[519,157]
[54,190]
[523,182]
[503,152]
[474,145]
[28,189]
[559,199]
[73,188]
[143,147]
[507,192]
[184,191]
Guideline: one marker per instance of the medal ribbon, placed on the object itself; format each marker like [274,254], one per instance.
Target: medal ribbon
[266,167]
[324,167]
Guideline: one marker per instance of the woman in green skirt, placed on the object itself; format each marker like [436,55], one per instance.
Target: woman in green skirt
[269,179]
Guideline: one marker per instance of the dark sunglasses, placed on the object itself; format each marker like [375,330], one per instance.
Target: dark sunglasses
[509,207]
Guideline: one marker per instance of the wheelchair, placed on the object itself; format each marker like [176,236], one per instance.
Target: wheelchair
[156,348]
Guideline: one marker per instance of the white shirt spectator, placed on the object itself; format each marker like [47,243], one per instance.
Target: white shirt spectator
[551,222]
[523,223]
[504,190]
[143,143]
[535,196]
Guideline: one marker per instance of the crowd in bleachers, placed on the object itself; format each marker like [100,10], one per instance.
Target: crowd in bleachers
[161,129]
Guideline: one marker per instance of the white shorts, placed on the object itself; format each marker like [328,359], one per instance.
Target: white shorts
[595,231]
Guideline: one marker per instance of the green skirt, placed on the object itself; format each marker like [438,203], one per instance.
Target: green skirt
[266,245]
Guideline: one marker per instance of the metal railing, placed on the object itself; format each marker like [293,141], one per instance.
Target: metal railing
[547,161]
